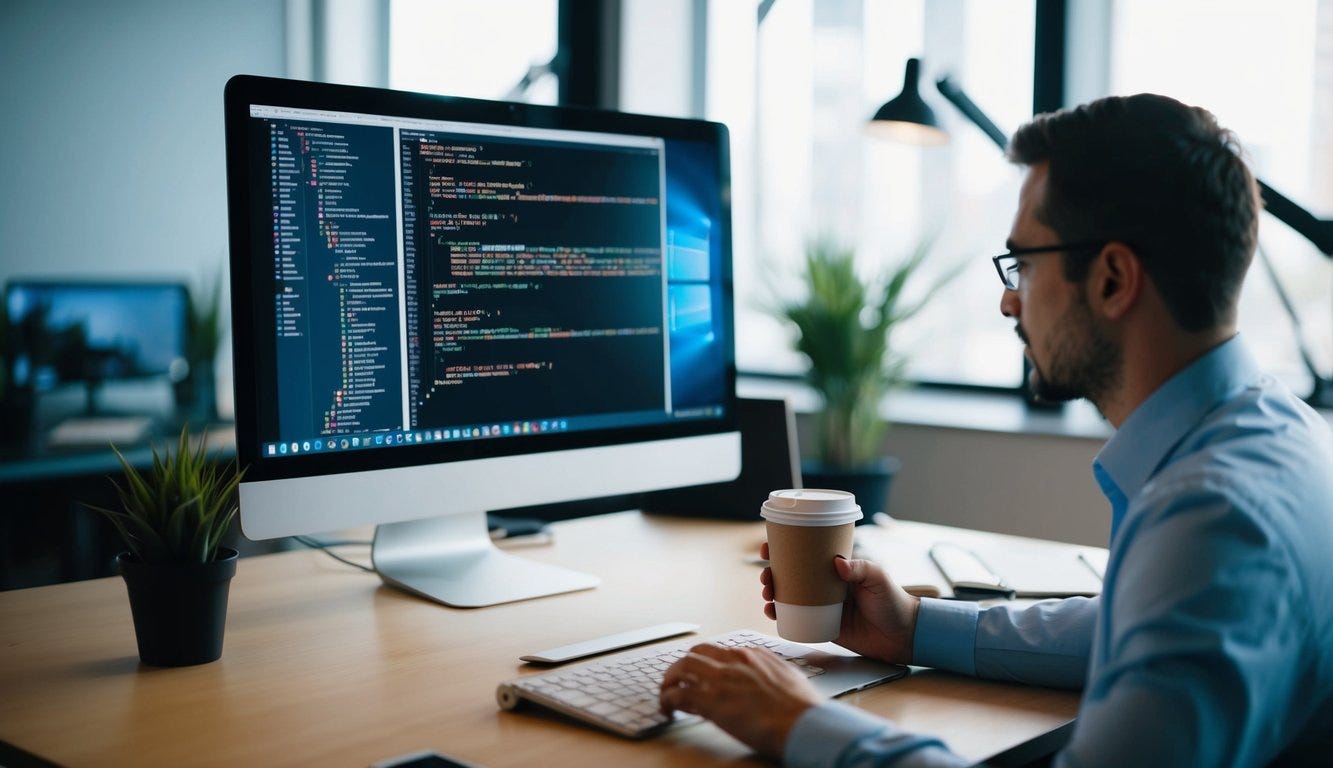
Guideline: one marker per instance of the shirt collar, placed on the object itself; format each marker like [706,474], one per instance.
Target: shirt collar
[1134,453]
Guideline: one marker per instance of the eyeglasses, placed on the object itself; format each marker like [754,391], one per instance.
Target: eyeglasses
[1006,264]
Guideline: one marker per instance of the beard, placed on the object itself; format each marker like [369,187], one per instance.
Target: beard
[1081,361]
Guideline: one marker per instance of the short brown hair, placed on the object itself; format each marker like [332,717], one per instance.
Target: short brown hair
[1160,176]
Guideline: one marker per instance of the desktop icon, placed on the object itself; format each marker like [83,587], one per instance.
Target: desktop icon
[294,447]
[282,449]
[456,434]
[356,442]
[564,424]
[305,446]
[272,449]
[485,431]
[506,430]
[379,439]
[344,442]
[546,426]
[437,435]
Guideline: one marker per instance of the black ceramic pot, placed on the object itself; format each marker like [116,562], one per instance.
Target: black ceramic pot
[870,483]
[180,609]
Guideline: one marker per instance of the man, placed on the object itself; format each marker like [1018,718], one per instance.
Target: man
[1212,642]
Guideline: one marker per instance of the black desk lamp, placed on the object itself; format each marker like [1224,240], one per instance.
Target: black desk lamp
[907,117]
[900,109]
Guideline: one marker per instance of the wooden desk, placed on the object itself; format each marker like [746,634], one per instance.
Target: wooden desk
[324,666]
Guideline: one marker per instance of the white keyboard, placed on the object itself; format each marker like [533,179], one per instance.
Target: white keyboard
[620,692]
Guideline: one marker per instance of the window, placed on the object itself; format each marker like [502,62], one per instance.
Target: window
[796,89]
[481,50]
[1266,71]
[803,165]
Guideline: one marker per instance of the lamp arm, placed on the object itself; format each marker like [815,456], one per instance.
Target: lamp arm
[971,111]
[1316,230]
[535,72]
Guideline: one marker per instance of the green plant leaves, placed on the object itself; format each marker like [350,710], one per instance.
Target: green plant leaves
[179,509]
[844,327]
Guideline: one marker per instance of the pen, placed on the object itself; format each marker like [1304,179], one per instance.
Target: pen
[1096,569]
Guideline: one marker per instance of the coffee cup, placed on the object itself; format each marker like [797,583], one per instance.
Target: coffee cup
[807,528]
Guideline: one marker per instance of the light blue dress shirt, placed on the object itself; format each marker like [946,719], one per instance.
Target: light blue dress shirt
[1212,642]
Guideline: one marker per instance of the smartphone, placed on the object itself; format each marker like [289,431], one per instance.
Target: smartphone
[423,759]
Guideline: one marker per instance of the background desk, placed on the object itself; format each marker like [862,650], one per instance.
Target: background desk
[47,535]
[324,666]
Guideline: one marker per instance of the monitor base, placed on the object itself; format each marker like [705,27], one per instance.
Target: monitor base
[451,560]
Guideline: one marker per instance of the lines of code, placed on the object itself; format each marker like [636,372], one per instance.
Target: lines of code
[538,275]
[335,259]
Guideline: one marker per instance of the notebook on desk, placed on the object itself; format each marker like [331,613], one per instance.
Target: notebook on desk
[1010,566]
[1017,573]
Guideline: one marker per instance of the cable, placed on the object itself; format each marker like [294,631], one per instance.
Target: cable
[324,546]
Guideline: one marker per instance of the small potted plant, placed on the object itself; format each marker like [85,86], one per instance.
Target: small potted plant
[173,517]
[843,328]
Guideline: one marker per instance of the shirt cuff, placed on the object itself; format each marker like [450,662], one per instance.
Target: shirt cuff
[946,635]
[824,732]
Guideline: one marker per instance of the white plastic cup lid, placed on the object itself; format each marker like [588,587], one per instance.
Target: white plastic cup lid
[811,507]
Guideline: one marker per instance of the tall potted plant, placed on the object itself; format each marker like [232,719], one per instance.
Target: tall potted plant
[844,327]
[196,391]
[173,518]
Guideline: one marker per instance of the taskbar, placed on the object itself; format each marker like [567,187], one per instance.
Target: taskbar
[385,439]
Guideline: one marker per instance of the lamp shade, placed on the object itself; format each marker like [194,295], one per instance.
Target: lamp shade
[906,117]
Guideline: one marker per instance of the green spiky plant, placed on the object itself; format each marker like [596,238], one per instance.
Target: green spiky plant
[204,324]
[844,327]
[179,510]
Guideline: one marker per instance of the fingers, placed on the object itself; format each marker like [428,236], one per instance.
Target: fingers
[692,682]
[687,683]
[763,551]
[862,573]
[750,693]
[687,671]
[766,578]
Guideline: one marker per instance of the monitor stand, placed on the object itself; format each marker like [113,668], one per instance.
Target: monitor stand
[451,560]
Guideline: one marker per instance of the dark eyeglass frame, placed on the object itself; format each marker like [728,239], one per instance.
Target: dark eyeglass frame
[1006,262]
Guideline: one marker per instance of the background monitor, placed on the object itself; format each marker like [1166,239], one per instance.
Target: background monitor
[445,306]
[94,332]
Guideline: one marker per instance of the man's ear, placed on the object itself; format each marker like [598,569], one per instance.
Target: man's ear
[1116,280]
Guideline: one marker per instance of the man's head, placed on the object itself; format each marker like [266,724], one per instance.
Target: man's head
[1160,183]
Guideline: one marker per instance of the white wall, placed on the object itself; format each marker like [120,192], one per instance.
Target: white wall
[1008,481]
[111,147]
[1016,483]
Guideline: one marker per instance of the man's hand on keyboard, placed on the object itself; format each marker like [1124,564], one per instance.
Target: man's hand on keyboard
[879,618]
[750,693]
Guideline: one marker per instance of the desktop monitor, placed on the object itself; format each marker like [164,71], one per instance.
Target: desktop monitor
[444,306]
[90,333]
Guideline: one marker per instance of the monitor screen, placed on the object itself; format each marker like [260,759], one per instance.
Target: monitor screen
[484,304]
[94,331]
